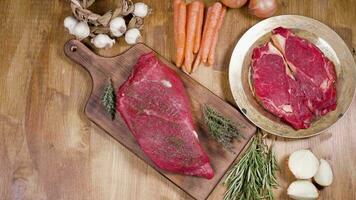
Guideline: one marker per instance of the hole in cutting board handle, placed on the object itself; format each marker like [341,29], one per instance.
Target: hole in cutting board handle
[73,48]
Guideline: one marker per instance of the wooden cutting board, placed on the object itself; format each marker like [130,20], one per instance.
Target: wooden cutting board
[118,68]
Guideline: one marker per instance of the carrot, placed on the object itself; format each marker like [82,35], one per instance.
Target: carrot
[181,22]
[211,57]
[198,58]
[175,19]
[199,27]
[210,30]
[192,17]
[196,63]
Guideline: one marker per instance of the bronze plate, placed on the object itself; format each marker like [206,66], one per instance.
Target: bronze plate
[316,32]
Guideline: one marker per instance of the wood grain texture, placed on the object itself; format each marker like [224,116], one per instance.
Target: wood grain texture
[50,150]
[118,69]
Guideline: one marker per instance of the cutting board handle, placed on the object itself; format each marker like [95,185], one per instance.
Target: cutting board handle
[95,64]
[82,55]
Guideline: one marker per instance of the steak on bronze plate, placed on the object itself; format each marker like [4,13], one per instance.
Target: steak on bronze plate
[293,79]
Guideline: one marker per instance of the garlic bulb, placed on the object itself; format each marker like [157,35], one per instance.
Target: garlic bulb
[81,30]
[141,10]
[132,36]
[102,41]
[117,26]
[69,23]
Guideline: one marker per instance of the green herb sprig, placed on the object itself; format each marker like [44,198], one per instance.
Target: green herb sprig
[108,99]
[254,176]
[222,129]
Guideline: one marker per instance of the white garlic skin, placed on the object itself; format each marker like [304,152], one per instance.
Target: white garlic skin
[132,36]
[102,41]
[141,10]
[69,23]
[117,26]
[81,30]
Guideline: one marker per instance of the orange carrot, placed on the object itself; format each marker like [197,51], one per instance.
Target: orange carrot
[198,58]
[210,30]
[175,19]
[211,57]
[199,27]
[196,63]
[181,22]
[192,20]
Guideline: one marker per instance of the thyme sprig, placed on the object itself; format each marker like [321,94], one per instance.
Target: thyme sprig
[254,175]
[222,129]
[108,99]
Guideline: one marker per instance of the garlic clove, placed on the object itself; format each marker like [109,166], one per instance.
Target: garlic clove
[303,164]
[69,23]
[81,30]
[132,36]
[141,10]
[324,175]
[117,26]
[302,190]
[102,41]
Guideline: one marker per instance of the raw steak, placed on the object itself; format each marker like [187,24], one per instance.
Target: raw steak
[314,72]
[276,89]
[155,107]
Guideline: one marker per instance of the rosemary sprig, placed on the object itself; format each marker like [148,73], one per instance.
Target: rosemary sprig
[108,99]
[222,129]
[253,177]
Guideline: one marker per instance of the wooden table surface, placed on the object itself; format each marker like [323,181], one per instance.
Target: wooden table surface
[50,150]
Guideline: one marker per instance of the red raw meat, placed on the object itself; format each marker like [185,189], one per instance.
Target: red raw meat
[314,71]
[276,89]
[155,107]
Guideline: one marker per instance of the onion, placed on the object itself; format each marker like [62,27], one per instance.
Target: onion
[303,164]
[262,8]
[302,190]
[324,176]
[234,3]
